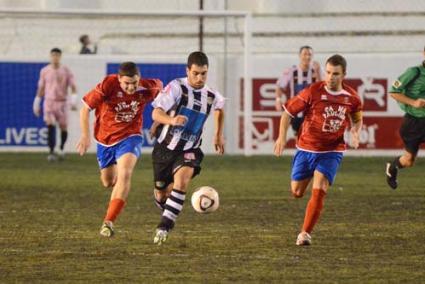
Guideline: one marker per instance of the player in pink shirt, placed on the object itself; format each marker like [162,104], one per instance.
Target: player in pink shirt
[54,82]
[329,107]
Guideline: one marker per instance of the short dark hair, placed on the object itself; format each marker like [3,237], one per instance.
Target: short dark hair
[337,60]
[305,47]
[198,58]
[56,50]
[129,69]
[83,38]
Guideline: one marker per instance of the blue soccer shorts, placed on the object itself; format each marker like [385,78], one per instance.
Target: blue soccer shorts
[107,156]
[305,163]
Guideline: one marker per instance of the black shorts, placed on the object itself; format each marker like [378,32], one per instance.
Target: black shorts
[166,162]
[412,131]
[296,123]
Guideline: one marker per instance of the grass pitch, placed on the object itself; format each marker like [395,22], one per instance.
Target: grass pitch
[50,215]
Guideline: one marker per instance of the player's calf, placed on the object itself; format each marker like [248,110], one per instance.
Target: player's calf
[159,199]
[173,207]
[160,193]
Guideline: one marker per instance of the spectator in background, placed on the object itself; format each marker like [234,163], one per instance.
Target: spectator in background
[85,43]
[294,79]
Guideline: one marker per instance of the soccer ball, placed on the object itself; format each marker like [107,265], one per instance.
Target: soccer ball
[205,200]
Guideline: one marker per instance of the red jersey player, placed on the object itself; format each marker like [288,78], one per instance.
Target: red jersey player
[329,108]
[118,102]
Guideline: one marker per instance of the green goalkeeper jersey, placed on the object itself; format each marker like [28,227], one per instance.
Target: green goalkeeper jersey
[412,84]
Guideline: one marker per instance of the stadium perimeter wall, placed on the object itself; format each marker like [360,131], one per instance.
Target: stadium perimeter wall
[370,74]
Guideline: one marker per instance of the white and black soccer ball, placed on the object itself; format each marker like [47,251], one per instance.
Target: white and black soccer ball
[205,199]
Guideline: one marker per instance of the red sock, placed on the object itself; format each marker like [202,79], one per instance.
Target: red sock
[114,209]
[314,207]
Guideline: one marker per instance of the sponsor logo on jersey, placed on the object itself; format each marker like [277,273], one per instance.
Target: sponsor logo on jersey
[126,112]
[397,84]
[334,119]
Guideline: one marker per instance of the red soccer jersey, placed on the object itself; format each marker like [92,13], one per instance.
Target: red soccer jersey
[118,114]
[326,116]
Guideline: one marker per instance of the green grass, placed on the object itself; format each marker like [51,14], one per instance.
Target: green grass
[50,215]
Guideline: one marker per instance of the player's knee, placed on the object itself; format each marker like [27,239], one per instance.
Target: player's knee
[408,161]
[108,182]
[297,193]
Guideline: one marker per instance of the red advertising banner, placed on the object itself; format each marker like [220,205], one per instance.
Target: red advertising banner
[372,91]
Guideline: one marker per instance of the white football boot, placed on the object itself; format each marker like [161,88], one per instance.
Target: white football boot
[160,236]
[107,229]
[303,239]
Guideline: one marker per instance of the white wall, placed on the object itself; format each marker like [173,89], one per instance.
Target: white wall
[256,6]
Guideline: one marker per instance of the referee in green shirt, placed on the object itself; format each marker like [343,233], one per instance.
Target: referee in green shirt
[409,92]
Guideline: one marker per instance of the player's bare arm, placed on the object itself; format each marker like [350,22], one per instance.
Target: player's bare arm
[160,116]
[218,134]
[37,101]
[402,98]
[74,97]
[357,123]
[84,142]
[279,145]
[316,67]
[153,128]
[278,100]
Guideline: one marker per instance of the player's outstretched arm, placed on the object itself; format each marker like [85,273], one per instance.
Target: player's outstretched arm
[218,134]
[84,142]
[160,116]
[280,143]
[402,98]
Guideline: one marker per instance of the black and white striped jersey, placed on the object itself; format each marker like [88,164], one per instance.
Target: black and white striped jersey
[179,98]
[293,80]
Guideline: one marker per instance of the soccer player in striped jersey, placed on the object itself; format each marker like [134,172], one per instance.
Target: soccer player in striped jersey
[118,101]
[181,111]
[295,79]
[330,107]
